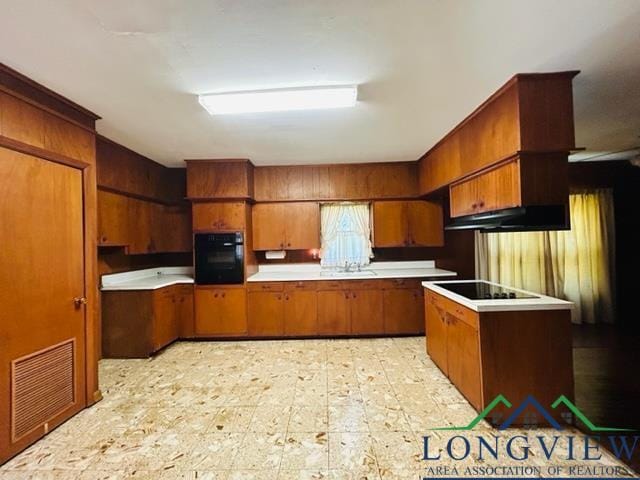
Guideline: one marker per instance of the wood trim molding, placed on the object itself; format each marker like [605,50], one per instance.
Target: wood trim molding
[27,149]
[144,198]
[44,97]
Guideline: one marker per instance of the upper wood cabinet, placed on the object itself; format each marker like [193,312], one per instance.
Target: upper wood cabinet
[141,226]
[219,179]
[540,179]
[407,223]
[219,216]
[530,113]
[286,226]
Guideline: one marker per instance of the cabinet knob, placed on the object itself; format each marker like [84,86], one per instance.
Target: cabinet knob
[482,204]
[286,297]
[79,301]
[288,244]
[474,205]
[103,239]
[223,295]
[215,295]
[354,295]
[279,297]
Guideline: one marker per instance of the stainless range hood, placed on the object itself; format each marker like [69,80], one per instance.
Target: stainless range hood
[520,219]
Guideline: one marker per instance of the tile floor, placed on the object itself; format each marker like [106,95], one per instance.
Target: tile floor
[307,409]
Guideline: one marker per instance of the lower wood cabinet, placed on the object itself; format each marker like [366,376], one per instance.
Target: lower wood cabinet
[335,307]
[510,353]
[137,323]
[220,311]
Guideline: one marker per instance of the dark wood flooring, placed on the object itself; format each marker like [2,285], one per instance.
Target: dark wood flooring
[607,377]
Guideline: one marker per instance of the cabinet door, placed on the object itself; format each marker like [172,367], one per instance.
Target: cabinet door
[219,216]
[463,358]
[333,312]
[425,224]
[113,225]
[404,311]
[265,313]
[366,309]
[184,300]
[301,313]
[302,220]
[139,225]
[166,327]
[220,311]
[436,333]
[463,198]
[269,226]
[390,224]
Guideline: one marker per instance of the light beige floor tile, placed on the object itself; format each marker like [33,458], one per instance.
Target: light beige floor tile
[348,418]
[232,419]
[306,450]
[303,474]
[270,418]
[248,474]
[309,419]
[386,418]
[260,451]
[398,451]
[352,452]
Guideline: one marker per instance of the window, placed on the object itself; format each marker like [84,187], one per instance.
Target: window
[345,233]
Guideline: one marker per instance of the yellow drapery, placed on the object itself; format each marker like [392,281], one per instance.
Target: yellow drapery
[577,265]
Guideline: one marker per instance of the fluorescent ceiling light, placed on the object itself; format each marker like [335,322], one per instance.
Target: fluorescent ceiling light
[280,99]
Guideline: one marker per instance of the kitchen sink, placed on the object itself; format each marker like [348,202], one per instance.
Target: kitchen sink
[342,274]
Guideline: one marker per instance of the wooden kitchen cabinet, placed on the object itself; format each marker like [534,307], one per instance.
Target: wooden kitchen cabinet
[219,179]
[265,313]
[219,216]
[301,311]
[137,323]
[142,226]
[220,311]
[333,312]
[403,311]
[407,223]
[286,226]
[523,181]
[366,311]
[510,353]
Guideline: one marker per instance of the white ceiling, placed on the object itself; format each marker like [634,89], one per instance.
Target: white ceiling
[422,66]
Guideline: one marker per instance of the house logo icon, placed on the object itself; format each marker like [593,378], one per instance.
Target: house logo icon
[528,404]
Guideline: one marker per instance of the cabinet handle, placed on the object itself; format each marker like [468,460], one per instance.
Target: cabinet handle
[223,295]
[78,301]
[288,244]
[474,205]
[286,297]
[354,295]
[215,295]
[279,297]
[346,295]
[104,239]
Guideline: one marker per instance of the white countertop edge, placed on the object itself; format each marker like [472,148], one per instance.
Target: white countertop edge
[543,302]
[380,275]
[147,279]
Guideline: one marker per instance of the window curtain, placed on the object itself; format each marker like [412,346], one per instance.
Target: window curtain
[345,234]
[576,265]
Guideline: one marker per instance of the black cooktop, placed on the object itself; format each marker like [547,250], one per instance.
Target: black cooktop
[483,291]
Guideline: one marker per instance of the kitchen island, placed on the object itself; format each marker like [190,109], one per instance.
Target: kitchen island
[492,340]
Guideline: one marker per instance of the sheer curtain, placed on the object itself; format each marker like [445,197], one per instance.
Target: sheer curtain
[577,265]
[345,234]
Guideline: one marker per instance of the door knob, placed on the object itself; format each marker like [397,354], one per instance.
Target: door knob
[78,301]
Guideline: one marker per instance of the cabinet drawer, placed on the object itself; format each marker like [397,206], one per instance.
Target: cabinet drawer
[264,286]
[465,314]
[330,285]
[410,283]
[297,286]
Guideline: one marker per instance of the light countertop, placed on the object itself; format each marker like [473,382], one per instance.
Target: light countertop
[375,271]
[541,302]
[148,279]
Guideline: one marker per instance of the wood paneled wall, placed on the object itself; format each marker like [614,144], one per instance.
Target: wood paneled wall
[336,182]
[36,121]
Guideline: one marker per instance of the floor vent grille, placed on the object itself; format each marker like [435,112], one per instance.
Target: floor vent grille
[42,387]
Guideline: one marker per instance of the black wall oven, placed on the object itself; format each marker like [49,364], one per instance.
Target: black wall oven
[219,258]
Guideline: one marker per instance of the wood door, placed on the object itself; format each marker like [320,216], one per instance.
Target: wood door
[302,221]
[265,313]
[113,228]
[269,226]
[301,313]
[42,331]
[185,310]
[333,312]
[219,216]
[425,224]
[404,311]
[390,224]
[366,309]
[463,359]
[436,332]
[220,311]
[166,326]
